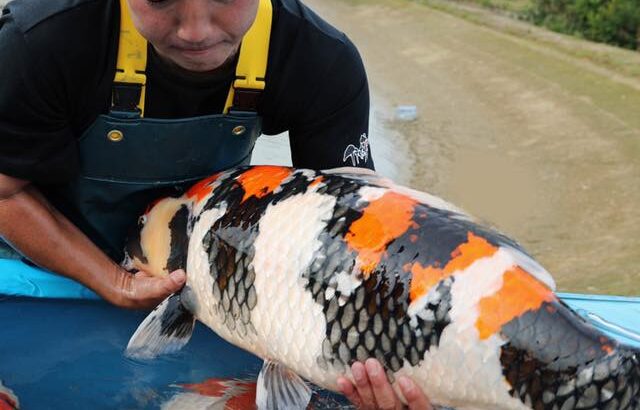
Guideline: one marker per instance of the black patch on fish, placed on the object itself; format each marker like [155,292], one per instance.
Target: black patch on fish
[230,245]
[133,247]
[179,240]
[373,322]
[341,187]
[230,253]
[177,320]
[227,190]
[249,211]
[554,359]
[435,235]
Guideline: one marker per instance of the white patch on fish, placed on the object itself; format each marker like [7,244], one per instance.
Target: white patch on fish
[347,283]
[370,194]
[425,198]
[532,267]
[286,314]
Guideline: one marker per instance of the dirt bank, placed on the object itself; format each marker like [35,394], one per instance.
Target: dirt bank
[540,143]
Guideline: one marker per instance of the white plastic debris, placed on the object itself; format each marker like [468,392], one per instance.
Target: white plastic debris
[406,112]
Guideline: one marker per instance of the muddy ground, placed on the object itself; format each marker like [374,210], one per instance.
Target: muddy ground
[540,143]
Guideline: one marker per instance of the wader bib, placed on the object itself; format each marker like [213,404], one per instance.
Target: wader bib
[128,160]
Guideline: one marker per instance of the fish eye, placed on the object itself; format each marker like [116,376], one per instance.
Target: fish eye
[142,220]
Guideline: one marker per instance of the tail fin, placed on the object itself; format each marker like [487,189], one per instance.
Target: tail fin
[555,358]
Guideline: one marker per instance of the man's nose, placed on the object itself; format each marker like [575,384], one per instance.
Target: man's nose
[194,24]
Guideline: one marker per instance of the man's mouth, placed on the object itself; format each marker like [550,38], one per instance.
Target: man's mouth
[195,49]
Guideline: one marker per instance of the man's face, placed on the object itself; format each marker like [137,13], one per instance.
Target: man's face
[197,35]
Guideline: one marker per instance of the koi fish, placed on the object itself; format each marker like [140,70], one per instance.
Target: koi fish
[8,400]
[314,270]
[229,394]
[215,394]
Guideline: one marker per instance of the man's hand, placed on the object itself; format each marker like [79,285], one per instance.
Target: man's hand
[145,291]
[372,390]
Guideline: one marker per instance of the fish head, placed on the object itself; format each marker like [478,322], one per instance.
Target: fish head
[158,243]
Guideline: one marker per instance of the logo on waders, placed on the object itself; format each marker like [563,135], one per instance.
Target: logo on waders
[357,154]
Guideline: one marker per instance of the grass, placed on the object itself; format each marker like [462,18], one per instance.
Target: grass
[514,7]
[618,60]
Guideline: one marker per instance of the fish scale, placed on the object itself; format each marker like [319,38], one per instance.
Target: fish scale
[316,270]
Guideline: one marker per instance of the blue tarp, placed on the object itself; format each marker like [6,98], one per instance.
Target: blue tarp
[616,315]
[61,353]
[21,279]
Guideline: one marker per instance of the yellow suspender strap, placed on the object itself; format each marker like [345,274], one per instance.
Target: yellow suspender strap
[132,54]
[254,53]
[252,62]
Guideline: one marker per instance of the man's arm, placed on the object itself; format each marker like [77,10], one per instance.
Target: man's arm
[45,236]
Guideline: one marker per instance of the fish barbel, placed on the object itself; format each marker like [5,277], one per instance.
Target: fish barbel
[314,270]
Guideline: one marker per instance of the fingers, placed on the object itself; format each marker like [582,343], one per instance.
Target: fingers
[144,291]
[372,390]
[177,279]
[416,399]
[367,398]
[384,394]
[346,388]
[160,288]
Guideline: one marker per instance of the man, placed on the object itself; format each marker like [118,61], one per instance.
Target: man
[95,123]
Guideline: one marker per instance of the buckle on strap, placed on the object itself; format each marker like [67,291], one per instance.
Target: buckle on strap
[246,99]
[125,97]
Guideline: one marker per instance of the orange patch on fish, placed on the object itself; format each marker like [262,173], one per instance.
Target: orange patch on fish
[316,181]
[424,278]
[6,402]
[520,293]
[464,255]
[203,188]
[382,221]
[605,345]
[262,180]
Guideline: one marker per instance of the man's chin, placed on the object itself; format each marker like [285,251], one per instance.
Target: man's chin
[199,66]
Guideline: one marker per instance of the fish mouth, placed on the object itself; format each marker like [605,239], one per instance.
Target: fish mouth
[128,264]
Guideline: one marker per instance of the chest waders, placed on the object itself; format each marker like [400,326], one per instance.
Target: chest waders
[127,160]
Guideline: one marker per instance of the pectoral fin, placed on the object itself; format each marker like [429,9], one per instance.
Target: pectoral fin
[166,330]
[279,388]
